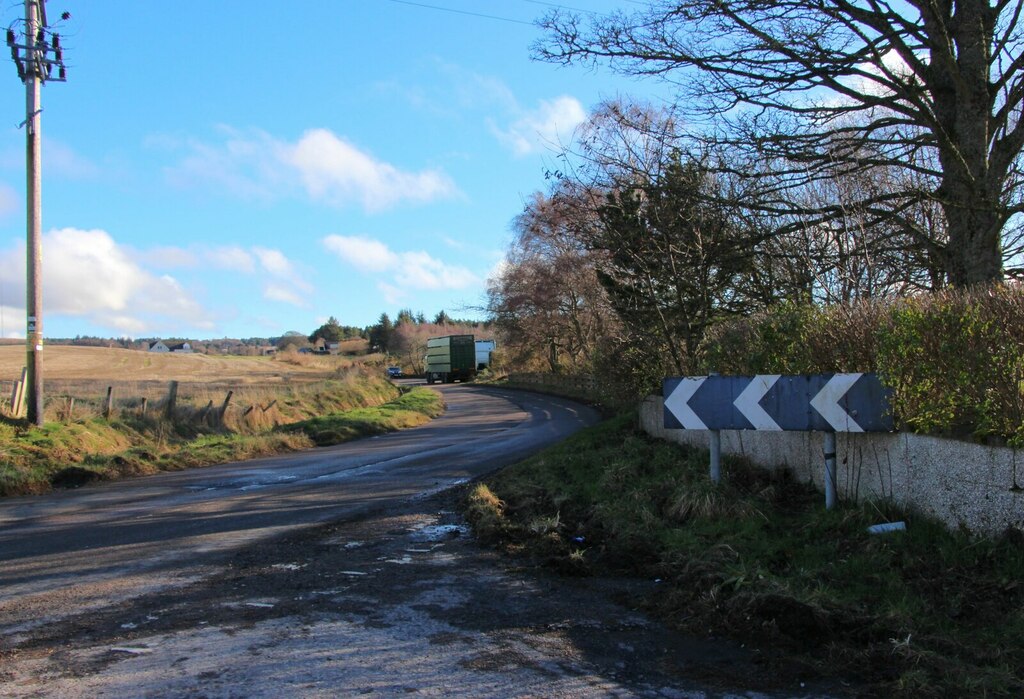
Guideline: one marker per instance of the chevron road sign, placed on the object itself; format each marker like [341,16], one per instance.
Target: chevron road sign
[821,402]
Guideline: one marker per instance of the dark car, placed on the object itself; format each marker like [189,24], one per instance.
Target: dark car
[394,372]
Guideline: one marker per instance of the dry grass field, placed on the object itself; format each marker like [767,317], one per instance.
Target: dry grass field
[61,362]
[85,373]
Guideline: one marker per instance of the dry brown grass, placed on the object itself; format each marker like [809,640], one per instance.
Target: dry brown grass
[101,363]
[85,373]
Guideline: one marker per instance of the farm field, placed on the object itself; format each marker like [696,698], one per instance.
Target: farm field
[87,373]
[69,363]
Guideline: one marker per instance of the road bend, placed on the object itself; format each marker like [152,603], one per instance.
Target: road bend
[72,549]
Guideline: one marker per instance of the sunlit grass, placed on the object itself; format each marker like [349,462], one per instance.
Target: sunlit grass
[260,422]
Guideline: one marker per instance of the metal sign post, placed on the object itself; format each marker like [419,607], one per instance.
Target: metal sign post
[827,403]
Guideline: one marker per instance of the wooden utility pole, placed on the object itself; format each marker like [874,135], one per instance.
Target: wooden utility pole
[35,59]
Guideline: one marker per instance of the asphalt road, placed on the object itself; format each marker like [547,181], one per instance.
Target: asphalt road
[72,539]
[335,572]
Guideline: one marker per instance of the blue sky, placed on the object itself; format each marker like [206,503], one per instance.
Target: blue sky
[243,169]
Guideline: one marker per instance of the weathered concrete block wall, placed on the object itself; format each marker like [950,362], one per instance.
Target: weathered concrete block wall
[962,484]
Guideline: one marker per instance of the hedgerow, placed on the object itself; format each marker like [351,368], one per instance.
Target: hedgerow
[954,359]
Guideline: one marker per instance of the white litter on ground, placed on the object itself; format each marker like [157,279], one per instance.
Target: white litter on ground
[288,566]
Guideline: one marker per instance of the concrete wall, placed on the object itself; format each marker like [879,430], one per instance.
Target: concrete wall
[962,484]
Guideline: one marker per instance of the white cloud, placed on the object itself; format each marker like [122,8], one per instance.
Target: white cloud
[549,125]
[408,270]
[365,254]
[232,258]
[246,165]
[86,273]
[286,294]
[167,257]
[418,270]
[337,172]
[285,283]
[274,262]
[498,270]
[324,166]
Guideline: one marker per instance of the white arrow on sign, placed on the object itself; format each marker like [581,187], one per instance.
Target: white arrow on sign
[678,403]
[826,402]
[748,402]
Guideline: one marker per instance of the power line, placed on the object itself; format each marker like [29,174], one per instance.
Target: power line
[562,7]
[463,12]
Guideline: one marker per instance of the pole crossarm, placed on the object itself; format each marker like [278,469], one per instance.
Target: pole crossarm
[39,54]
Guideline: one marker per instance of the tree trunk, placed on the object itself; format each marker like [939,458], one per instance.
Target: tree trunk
[974,253]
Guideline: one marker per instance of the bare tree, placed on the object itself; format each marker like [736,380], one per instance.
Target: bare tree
[547,300]
[934,88]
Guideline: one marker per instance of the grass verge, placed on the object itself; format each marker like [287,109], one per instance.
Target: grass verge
[409,410]
[34,460]
[923,613]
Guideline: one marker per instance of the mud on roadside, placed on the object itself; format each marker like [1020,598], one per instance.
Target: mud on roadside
[400,601]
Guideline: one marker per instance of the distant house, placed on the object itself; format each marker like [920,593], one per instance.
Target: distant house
[177,347]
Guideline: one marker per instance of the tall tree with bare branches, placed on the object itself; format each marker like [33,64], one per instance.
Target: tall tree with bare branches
[547,300]
[816,87]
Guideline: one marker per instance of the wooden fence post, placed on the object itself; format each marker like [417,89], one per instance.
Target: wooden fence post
[172,399]
[108,406]
[145,404]
[70,410]
[18,402]
[224,407]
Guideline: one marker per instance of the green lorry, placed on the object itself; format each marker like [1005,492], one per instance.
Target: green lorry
[450,358]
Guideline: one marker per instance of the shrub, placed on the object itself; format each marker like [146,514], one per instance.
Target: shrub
[955,359]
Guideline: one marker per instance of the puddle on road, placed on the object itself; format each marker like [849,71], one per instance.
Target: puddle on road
[249,483]
[440,532]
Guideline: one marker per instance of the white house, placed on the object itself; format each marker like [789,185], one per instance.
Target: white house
[177,347]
